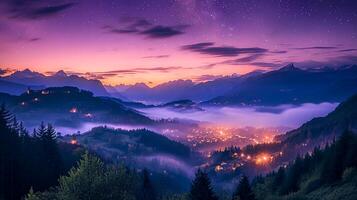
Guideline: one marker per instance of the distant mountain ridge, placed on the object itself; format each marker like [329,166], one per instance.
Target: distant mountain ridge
[287,85]
[33,79]
[292,85]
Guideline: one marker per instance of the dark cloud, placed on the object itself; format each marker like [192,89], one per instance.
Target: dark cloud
[249,58]
[208,48]
[161,32]
[122,72]
[279,52]
[142,70]
[347,50]
[315,48]
[267,64]
[34,39]
[5,71]
[158,56]
[144,27]
[334,62]
[25,9]
[206,77]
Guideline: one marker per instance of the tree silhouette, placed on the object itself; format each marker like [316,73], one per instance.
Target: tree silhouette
[243,191]
[148,192]
[201,188]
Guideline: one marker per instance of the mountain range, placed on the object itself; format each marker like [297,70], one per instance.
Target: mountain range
[287,85]
[19,81]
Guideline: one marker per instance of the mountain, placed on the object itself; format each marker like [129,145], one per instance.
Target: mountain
[291,85]
[325,129]
[59,79]
[69,107]
[182,89]
[12,88]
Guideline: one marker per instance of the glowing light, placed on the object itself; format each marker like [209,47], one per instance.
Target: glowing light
[263,159]
[23,103]
[218,168]
[89,115]
[74,142]
[45,92]
[73,110]
[36,99]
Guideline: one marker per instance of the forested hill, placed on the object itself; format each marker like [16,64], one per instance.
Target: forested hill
[324,129]
[324,174]
[119,143]
[68,106]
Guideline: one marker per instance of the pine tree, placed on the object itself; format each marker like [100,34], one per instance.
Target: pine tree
[243,191]
[147,188]
[201,188]
[9,157]
[84,182]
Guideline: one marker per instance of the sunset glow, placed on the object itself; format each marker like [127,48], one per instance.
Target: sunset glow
[154,42]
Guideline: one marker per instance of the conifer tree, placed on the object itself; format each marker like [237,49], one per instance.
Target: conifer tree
[201,188]
[148,190]
[243,191]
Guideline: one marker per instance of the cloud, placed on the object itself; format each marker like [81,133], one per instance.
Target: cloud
[158,56]
[206,77]
[24,9]
[208,48]
[331,62]
[249,58]
[347,50]
[34,39]
[4,72]
[161,32]
[144,27]
[315,48]
[122,72]
[279,52]
[268,64]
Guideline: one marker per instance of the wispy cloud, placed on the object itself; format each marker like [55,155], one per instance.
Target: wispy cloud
[208,48]
[144,27]
[347,50]
[206,77]
[315,48]
[24,9]
[122,72]
[158,56]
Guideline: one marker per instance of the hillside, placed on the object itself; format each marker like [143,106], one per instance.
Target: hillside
[69,106]
[344,117]
[116,143]
[323,174]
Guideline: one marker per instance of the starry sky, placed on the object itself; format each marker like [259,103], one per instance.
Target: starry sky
[154,41]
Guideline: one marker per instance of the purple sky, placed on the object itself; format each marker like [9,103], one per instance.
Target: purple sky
[159,40]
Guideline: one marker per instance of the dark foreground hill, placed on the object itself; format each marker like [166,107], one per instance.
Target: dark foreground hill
[329,174]
[69,106]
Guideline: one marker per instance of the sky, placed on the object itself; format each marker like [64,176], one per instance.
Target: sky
[154,41]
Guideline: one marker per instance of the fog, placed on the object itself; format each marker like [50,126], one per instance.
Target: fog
[284,115]
[164,162]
